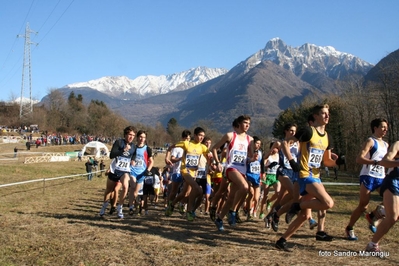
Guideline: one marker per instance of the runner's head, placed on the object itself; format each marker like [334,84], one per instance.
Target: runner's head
[199,134]
[129,133]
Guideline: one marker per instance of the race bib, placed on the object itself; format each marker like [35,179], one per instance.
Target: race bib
[149,180]
[201,174]
[315,157]
[254,167]
[123,164]
[139,161]
[192,161]
[377,171]
[239,157]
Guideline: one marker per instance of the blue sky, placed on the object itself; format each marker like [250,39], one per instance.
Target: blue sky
[81,40]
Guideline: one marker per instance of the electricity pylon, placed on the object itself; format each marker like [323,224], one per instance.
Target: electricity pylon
[26,104]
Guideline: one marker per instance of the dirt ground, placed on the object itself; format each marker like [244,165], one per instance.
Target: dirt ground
[57,223]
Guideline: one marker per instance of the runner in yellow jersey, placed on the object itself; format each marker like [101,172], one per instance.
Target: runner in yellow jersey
[314,149]
[189,166]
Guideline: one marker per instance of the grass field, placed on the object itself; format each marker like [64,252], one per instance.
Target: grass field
[56,223]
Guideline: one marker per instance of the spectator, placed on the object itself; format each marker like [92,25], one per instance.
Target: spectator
[80,156]
[28,145]
[15,152]
[102,168]
[89,166]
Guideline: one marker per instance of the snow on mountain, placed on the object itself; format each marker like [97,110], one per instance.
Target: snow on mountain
[308,57]
[24,100]
[151,85]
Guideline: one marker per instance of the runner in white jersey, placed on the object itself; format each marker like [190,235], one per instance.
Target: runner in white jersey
[371,175]
[240,151]
[177,178]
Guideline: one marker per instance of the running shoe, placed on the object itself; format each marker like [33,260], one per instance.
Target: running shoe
[212,213]
[350,234]
[219,224]
[146,213]
[268,222]
[275,220]
[371,222]
[282,245]
[120,212]
[112,210]
[291,212]
[131,211]
[190,216]
[261,216]
[312,224]
[371,247]
[232,218]
[169,210]
[254,215]
[181,209]
[323,236]
[102,211]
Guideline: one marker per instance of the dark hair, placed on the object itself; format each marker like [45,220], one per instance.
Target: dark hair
[256,139]
[271,144]
[316,109]
[185,133]
[238,120]
[205,140]
[310,118]
[376,123]
[141,132]
[289,125]
[198,130]
[128,129]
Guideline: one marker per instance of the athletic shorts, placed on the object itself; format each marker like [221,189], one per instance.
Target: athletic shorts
[140,178]
[114,177]
[271,179]
[254,180]
[177,178]
[392,184]
[156,190]
[148,190]
[281,171]
[304,181]
[228,170]
[216,180]
[206,188]
[371,183]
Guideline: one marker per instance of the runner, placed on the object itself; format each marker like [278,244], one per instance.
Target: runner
[240,151]
[255,170]
[389,190]
[271,166]
[141,169]
[122,151]
[314,148]
[371,175]
[189,167]
[177,178]
[289,191]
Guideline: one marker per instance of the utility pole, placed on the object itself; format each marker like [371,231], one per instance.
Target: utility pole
[26,104]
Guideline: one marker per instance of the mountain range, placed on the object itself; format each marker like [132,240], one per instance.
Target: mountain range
[261,86]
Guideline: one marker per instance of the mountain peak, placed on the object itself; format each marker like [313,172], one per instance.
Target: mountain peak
[145,86]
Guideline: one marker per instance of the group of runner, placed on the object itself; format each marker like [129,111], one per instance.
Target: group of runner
[240,171]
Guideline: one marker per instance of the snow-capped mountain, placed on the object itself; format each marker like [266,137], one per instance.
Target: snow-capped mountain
[307,58]
[24,100]
[123,87]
